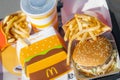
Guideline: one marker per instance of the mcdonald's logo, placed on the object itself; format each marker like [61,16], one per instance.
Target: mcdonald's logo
[50,72]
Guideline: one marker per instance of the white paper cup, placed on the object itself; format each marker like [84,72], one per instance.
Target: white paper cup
[41,13]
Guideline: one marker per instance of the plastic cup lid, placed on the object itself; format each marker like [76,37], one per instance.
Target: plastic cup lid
[37,7]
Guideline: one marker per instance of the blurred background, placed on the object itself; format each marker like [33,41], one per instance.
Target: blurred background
[8,6]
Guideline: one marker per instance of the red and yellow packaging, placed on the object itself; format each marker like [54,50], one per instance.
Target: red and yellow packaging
[45,56]
[3,39]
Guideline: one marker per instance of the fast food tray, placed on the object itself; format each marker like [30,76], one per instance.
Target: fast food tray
[115,32]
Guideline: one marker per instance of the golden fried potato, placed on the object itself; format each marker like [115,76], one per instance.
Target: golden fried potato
[15,26]
[82,27]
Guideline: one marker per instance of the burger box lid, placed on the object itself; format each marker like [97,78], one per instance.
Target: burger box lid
[96,8]
[47,37]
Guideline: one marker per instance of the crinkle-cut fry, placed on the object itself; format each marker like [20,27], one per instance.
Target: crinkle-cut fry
[78,22]
[9,25]
[92,35]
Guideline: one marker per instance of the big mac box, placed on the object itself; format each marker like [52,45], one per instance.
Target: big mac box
[43,56]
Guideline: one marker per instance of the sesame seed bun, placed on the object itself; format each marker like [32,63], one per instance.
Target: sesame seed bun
[92,53]
[93,57]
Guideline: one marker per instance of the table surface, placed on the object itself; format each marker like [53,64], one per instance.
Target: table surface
[8,6]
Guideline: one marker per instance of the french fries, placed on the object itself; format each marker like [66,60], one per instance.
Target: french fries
[82,27]
[15,27]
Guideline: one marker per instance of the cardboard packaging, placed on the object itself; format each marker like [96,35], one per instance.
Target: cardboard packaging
[43,55]
[97,9]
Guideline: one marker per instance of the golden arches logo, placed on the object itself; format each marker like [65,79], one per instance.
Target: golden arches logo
[52,71]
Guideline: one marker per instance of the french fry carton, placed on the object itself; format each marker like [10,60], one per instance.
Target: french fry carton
[3,39]
[44,56]
[9,64]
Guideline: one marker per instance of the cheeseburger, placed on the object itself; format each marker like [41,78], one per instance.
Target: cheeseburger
[94,57]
